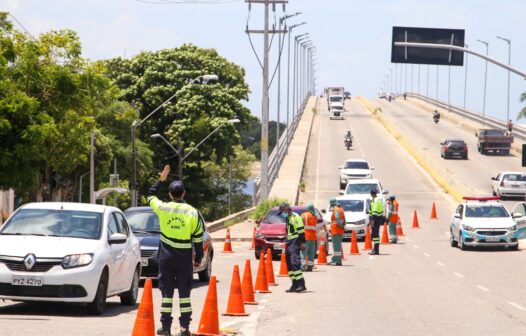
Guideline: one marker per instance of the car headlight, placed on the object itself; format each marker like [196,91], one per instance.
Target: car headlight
[360,222]
[513,228]
[468,228]
[77,260]
[259,235]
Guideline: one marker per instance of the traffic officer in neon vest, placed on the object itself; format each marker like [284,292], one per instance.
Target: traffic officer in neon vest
[181,236]
[311,237]
[392,218]
[337,230]
[295,244]
[376,219]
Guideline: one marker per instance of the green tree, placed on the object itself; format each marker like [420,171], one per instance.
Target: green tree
[522,113]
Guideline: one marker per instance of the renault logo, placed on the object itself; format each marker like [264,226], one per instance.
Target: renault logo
[30,261]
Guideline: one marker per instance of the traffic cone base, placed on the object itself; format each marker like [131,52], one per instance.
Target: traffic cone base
[399,230]
[368,244]
[247,289]
[415,221]
[433,212]
[283,269]
[261,285]
[322,255]
[269,269]
[354,244]
[209,322]
[227,248]
[144,322]
[385,236]
[235,306]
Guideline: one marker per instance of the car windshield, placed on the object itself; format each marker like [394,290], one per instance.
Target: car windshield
[273,217]
[493,132]
[361,188]
[351,205]
[486,211]
[456,143]
[356,165]
[57,223]
[514,177]
[143,221]
[335,99]
[337,108]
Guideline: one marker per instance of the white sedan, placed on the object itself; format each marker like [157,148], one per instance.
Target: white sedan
[356,217]
[69,252]
[354,169]
[509,184]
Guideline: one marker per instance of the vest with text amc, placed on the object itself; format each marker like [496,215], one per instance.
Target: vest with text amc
[179,223]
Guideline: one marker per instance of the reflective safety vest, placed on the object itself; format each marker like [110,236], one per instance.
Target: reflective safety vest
[393,211]
[294,226]
[310,222]
[337,221]
[377,207]
[179,223]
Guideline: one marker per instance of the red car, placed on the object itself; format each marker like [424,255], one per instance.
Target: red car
[271,233]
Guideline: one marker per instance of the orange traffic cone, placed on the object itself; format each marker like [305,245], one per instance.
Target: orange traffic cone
[144,322]
[246,287]
[209,323]
[434,212]
[322,255]
[235,306]
[385,235]
[399,230]
[227,248]
[368,245]
[415,221]
[253,239]
[261,278]
[283,269]
[269,269]
[354,244]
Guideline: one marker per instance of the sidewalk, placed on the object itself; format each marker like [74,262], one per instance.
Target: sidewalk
[242,231]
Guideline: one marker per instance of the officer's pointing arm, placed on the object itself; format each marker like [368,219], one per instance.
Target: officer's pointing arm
[152,192]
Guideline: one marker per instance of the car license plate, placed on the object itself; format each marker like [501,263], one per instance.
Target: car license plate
[26,280]
[515,186]
[144,262]
[492,239]
[278,246]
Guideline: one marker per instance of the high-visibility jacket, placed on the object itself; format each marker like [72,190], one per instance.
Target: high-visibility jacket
[179,223]
[377,207]
[337,221]
[393,211]
[309,221]
[295,227]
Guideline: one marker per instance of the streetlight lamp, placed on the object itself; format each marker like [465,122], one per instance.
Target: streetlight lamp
[509,73]
[485,84]
[178,152]
[136,123]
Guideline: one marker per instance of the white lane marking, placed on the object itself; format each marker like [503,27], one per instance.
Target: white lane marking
[482,288]
[371,257]
[516,305]
[318,164]
[427,254]
[458,274]
[446,233]
[441,264]
[416,246]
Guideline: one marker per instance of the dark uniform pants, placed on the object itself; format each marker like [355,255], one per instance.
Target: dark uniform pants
[175,270]
[376,223]
[293,258]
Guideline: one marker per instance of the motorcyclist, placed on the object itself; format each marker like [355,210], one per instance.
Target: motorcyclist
[436,116]
[348,139]
[348,135]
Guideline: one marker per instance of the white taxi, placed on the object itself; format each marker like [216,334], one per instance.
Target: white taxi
[69,252]
[483,221]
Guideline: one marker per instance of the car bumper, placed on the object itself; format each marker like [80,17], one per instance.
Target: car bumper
[458,154]
[59,285]
[512,191]
[262,245]
[474,239]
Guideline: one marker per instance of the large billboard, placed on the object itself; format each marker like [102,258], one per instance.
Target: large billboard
[418,55]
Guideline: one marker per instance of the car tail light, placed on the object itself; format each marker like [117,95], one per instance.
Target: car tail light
[465,147]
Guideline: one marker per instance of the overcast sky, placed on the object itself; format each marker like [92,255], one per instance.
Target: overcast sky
[353,38]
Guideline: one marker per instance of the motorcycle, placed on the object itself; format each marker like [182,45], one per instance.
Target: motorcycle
[348,143]
[436,119]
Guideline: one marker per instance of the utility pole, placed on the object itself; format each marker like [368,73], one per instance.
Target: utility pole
[264,181]
[92,170]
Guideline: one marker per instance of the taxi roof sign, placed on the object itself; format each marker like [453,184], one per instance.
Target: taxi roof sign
[483,198]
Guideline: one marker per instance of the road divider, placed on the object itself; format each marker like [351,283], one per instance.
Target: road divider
[439,179]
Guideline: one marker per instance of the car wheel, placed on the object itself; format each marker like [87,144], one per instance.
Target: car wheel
[129,298]
[514,247]
[452,240]
[461,244]
[98,305]
[205,274]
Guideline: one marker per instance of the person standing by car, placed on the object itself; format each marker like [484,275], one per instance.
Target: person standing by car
[337,230]
[295,244]
[181,234]
[376,219]
[392,217]
[310,221]
[509,126]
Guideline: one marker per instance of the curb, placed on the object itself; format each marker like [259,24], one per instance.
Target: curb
[439,179]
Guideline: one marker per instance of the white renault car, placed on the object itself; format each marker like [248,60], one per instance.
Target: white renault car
[509,184]
[483,221]
[69,252]
[364,187]
[354,169]
[356,218]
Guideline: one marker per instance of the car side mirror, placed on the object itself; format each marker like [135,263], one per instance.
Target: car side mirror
[516,215]
[258,221]
[457,216]
[441,144]
[372,168]
[476,135]
[340,167]
[117,238]
[385,192]
[341,192]
[493,179]
[320,220]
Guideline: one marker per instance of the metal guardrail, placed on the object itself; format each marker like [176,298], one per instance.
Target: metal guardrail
[490,122]
[279,152]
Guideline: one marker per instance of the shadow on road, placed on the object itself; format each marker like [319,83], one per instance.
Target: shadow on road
[40,310]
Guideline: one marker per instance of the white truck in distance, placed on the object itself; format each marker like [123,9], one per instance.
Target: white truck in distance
[334,95]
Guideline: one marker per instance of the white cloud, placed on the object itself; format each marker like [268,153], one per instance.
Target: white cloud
[12,4]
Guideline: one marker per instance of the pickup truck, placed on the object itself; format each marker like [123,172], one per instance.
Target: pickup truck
[494,140]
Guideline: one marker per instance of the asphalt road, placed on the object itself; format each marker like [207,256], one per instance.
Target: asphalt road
[421,286]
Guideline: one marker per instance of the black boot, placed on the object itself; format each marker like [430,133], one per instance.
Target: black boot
[186,332]
[376,250]
[292,288]
[164,332]
[301,286]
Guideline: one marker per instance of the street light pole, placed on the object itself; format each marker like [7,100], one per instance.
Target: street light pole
[466,78]
[485,84]
[391,80]
[136,123]
[509,73]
